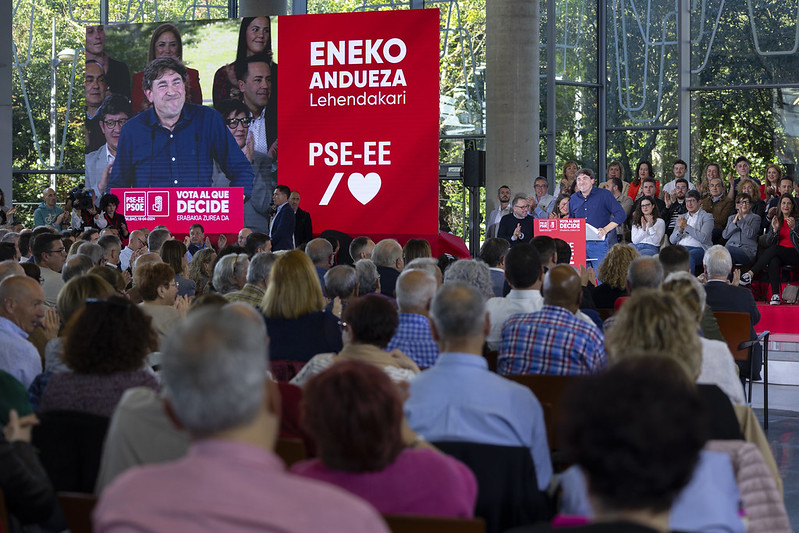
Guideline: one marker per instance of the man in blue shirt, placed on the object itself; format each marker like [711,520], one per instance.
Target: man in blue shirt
[600,209]
[415,291]
[460,399]
[175,144]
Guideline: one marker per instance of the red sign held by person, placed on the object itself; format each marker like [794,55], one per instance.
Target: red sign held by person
[359,118]
[571,230]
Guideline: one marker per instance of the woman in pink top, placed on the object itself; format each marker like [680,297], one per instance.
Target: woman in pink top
[353,412]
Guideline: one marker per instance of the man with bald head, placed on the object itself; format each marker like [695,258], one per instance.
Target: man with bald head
[415,291]
[137,242]
[243,233]
[361,248]
[553,340]
[21,311]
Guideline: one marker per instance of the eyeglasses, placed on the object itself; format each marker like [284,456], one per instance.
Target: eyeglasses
[646,205]
[232,123]
[57,251]
[743,202]
[520,206]
[118,122]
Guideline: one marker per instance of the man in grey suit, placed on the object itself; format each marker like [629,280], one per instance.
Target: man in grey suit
[112,115]
[694,230]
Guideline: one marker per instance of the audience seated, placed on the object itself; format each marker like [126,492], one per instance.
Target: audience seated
[474,273]
[370,323]
[492,253]
[387,257]
[22,309]
[341,282]
[173,253]
[233,420]
[613,275]
[105,346]
[200,269]
[552,340]
[415,291]
[459,399]
[353,413]
[156,282]
[293,305]
[230,272]
[258,273]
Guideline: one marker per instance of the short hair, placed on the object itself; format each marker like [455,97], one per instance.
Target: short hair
[24,243]
[353,411]
[674,258]
[717,261]
[74,294]
[523,266]
[158,68]
[227,270]
[616,183]
[458,311]
[415,249]
[367,276]
[372,319]
[114,104]
[197,226]
[493,250]
[7,251]
[93,251]
[340,281]
[644,272]
[587,171]
[294,289]
[111,275]
[11,236]
[108,199]
[42,243]
[260,267]
[651,180]
[357,245]
[693,193]
[156,239]
[428,264]
[502,187]
[386,252]
[662,323]
[680,162]
[254,241]
[517,197]
[88,233]
[319,250]
[545,246]
[564,251]
[683,181]
[242,66]
[110,326]
[785,178]
[473,272]
[214,370]
[151,276]
[742,158]
[31,270]
[613,269]
[415,289]
[284,189]
[636,431]
[173,253]
[76,265]
[688,290]
[226,107]
[9,268]
[109,242]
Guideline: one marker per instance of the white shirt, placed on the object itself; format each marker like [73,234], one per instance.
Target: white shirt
[18,357]
[492,222]
[500,309]
[652,235]
[669,187]
[258,130]
[124,257]
[693,221]
[718,368]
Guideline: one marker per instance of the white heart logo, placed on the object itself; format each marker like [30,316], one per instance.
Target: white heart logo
[364,188]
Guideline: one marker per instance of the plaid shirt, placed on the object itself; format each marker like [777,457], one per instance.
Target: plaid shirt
[250,293]
[414,339]
[550,341]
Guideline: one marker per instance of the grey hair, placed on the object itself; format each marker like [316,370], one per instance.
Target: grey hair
[319,250]
[227,270]
[340,281]
[415,288]
[458,311]
[428,264]
[93,251]
[645,271]
[110,242]
[156,239]
[367,276]
[698,288]
[717,261]
[386,253]
[76,265]
[475,273]
[11,236]
[260,267]
[213,368]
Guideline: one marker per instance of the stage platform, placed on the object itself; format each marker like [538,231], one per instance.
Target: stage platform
[778,319]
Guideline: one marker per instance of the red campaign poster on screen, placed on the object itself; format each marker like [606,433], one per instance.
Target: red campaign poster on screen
[218,209]
[571,230]
[358,119]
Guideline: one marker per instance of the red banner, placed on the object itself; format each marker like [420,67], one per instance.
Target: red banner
[218,209]
[571,230]
[358,119]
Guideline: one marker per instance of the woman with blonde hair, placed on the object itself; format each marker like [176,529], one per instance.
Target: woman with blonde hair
[656,322]
[293,304]
[200,270]
[613,275]
[771,185]
[758,206]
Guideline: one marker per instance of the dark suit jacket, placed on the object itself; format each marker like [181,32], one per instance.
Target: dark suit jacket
[725,297]
[507,225]
[283,229]
[388,280]
[303,229]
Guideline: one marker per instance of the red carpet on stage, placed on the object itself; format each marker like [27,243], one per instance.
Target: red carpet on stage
[778,318]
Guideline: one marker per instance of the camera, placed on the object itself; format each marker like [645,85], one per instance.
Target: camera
[80,198]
